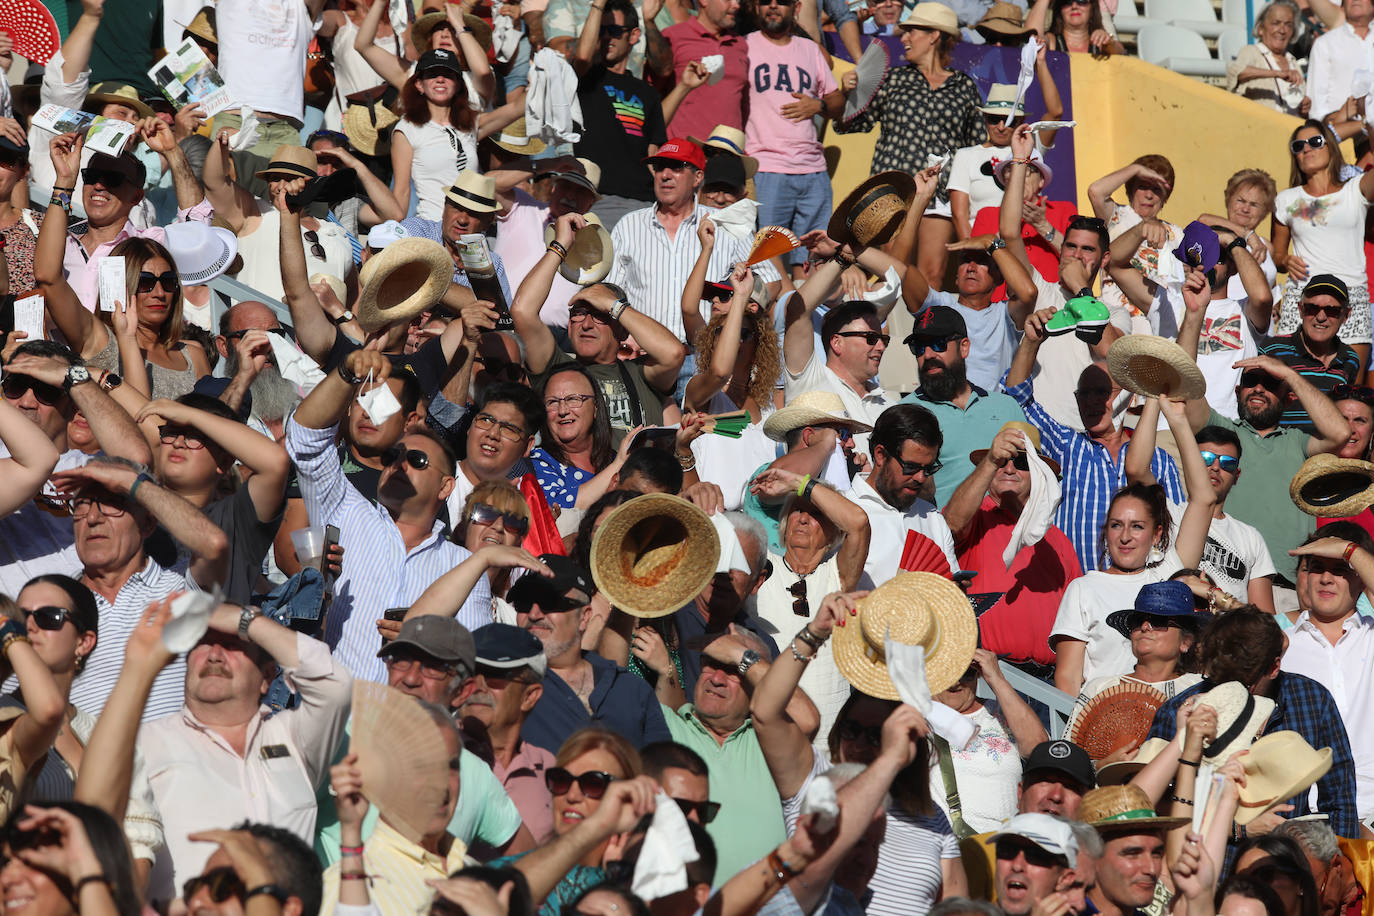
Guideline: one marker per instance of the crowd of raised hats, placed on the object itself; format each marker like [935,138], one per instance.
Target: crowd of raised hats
[459,459]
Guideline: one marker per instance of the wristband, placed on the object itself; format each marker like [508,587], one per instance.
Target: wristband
[13,628]
[801,484]
[618,309]
[353,876]
[98,878]
[558,248]
[806,491]
[347,375]
[9,641]
[63,198]
[1189,763]
[780,867]
[142,476]
[350,850]
[811,639]
[1181,801]
[687,464]
[1349,552]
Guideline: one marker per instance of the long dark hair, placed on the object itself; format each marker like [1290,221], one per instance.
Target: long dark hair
[1155,500]
[415,107]
[107,842]
[1334,164]
[1094,23]
[602,452]
[911,788]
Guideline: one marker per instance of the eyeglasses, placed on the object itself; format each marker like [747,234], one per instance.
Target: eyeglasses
[579,310]
[168,279]
[508,431]
[14,386]
[912,468]
[939,345]
[316,249]
[236,335]
[573,402]
[872,735]
[107,178]
[706,810]
[81,506]
[611,30]
[191,439]
[593,783]
[1156,622]
[1227,462]
[1345,392]
[1313,309]
[870,337]
[1313,142]
[221,883]
[48,617]
[800,606]
[413,457]
[484,514]
[1008,849]
[775,2]
[428,670]
[500,368]
[1258,378]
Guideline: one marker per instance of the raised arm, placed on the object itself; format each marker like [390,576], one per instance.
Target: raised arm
[1333,430]
[479,68]
[386,64]
[693,292]
[1259,304]
[658,53]
[967,498]
[32,456]
[693,76]
[540,346]
[160,140]
[712,378]
[327,402]
[1009,211]
[447,594]
[1022,293]
[82,330]
[45,704]
[1025,725]
[314,331]
[232,203]
[664,353]
[1141,449]
[798,339]
[1132,282]
[76,50]
[1191,537]
[588,39]
[773,484]
[381,205]
[1054,105]
[1100,191]
[1023,362]
[903,244]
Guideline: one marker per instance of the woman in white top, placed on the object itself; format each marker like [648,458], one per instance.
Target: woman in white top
[1267,72]
[1323,215]
[1137,542]
[1249,200]
[352,72]
[448,31]
[437,136]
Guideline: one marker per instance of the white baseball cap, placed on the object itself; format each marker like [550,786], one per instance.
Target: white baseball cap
[1050,833]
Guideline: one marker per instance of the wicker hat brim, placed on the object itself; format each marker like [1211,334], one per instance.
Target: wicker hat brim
[361,132]
[382,303]
[1330,487]
[785,419]
[1151,366]
[590,257]
[902,185]
[651,596]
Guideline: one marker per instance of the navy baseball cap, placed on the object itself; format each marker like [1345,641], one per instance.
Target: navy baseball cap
[500,645]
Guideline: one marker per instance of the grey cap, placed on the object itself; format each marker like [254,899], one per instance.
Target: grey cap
[442,638]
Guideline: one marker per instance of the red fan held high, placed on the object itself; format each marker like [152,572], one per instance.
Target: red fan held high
[32,28]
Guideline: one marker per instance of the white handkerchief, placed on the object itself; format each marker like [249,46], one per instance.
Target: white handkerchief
[1052,125]
[820,799]
[715,68]
[906,665]
[1026,75]
[190,620]
[247,135]
[740,219]
[668,847]
[1038,513]
[379,404]
[293,365]
[731,553]
[836,471]
[887,291]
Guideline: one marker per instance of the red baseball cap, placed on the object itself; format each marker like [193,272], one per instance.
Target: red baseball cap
[679,150]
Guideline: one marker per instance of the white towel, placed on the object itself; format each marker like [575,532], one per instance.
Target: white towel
[906,665]
[379,403]
[190,619]
[247,135]
[731,551]
[552,111]
[668,846]
[821,800]
[1038,513]
[887,290]
[740,219]
[505,37]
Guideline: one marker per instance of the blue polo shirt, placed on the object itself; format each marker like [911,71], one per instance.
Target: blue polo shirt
[620,701]
[965,430]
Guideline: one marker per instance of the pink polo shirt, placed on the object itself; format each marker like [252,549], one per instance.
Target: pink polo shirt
[707,106]
[524,783]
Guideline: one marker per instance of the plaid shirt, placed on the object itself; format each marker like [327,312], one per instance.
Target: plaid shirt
[1089,473]
[1306,707]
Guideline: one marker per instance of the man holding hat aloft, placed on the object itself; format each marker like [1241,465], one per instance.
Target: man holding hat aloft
[1314,350]
[470,206]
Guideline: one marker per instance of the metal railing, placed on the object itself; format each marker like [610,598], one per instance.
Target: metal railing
[1059,703]
[242,292]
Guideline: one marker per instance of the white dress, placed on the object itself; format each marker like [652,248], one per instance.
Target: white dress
[439,153]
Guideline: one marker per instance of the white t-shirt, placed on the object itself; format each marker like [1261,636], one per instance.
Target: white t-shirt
[987,772]
[993,338]
[1227,336]
[889,529]
[439,153]
[1087,602]
[817,376]
[729,463]
[966,174]
[1234,554]
[1062,359]
[1327,231]
[262,45]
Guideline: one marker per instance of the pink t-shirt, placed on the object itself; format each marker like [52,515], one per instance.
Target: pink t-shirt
[775,72]
[707,106]
[520,243]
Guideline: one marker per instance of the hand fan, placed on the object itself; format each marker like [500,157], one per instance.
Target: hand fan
[31,26]
[1118,717]
[921,554]
[770,242]
[403,757]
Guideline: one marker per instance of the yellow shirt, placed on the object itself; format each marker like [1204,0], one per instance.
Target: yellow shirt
[397,870]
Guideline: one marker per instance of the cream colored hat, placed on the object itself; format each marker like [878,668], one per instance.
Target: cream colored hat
[1279,767]
[473,191]
[1240,717]
[810,408]
[1001,98]
[932,15]
[591,254]
[291,162]
[1150,365]
[731,140]
[516,139]
[402,280]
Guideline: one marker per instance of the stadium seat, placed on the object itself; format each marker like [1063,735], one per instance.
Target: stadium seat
[1229,43]
[1196,15]
[1177,49]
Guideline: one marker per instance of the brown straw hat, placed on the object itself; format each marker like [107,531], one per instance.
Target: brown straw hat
[874,211]
[424,26]
[202,25]
[290,162]
[402,280]
[654,554]
[402,755]
[1002,20]
[515,138]
[1116,718]
[1331,487]
[115,92]
[1150,365]
[365,122]
[1123,809]
[1279,766]
[917,609]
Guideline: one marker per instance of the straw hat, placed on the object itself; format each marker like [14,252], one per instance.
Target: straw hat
[290,162]
[916,609]
[810,408]
[874,211]
[401,281]
[114,92]
[1150,365]
[1331,487]
[515,139]
[591,254]
[364,124]
[201,26]
[932,15]
[1002,20]
[654,554]
[1115,774]
[1118,717]
[727,139]
[424,26]
[1123,809]
[474,192]
[978,454]
[1001,99]
[1240,717]
[1279,767]
[870,72]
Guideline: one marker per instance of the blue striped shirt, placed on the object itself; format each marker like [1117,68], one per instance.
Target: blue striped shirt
[378,571]
[1345,369]
[434,231]
[1090,475]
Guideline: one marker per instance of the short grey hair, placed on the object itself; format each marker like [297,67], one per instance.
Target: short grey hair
[1088,839]
[1269,8]
[752,527]
[1316,838]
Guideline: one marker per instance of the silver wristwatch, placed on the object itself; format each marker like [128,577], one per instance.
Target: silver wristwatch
[997,244]
[246,617]
[747,661]
[75,376]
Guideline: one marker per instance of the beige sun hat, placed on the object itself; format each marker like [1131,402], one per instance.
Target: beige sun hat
[932,15]
[1123,808]
[1331,487]
[1240,717]
[591,254]
[365,122]
[1150,365]
[424,26]
[1121,772]
[290,161]
[810,408]
[731,140]
[978,454]
[654,554]
[1001,99]
[918,609]
[402,280]
[515,139]
[474,191]
[115,92]
[1279,767]
[874,211]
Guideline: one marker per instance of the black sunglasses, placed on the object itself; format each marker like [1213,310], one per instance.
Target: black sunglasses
[221,883]
[109,179]
[1313,309]
[49,617]
[912,468]
[483,514]
[1252,378]
[800,606]
[14,386]
[580,310]
[413,457]
[1156,622]
[497,368]
[593,783]
[611,30]
[169,280]
[870,337]
[706,810]
[1008,849]
[316,249]
[1314,142]
[872,735]
[938,345]
[1345,392]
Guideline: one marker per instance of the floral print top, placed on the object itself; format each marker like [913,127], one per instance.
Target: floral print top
[918,121]
[20,241]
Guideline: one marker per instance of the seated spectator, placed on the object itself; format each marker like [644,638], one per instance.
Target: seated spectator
[1082,28]
[495,513]
[1249,197]
[1149,180]
[499,439]
[1267,71]
[575,461]
[1314,350]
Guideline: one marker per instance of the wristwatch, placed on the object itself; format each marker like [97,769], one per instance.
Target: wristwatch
[997,244]
[347,375]
[1237,242]
[111,380]
[75,376]
[747,661]
[247,614]
[343,319]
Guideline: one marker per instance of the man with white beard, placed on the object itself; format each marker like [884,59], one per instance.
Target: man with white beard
[252,368]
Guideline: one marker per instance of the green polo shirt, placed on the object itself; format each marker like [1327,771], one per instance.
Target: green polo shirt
[750,823]
[1260,496]
[965,429]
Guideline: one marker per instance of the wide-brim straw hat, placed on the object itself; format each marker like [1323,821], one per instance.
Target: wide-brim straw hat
[291,162]
[870,72]
[730,140]
[1001,99]
[1279,767]
[654,554]
[978,454]
[1122,771]
[1241,716]
[873,212]
[364,125]
[932,15]
[1123,808]
[111,91]
[810,408]
[1003,20]
[201,27]
[1330,487]
[473,191]
[424,26]
[1150,365]
[917,609]
[589,256]
[1116,718]
[402,280]
[515,139]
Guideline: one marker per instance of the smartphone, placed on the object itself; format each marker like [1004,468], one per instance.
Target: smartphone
[393,613]
[664,437]
[331,538]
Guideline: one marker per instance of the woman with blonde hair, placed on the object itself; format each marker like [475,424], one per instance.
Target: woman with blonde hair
[1249,200]
[495,513]
[1266,71]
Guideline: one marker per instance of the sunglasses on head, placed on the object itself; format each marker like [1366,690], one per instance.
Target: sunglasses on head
[869,337]
[1227,462]
[108,179]
[1313,309]
[593,783]
[849,730]
[1314,142]
[49,617]
[483,514]
[1252,378]
[221,884]
[706,810]
[14,386]
[168,279]
[1345,392]
[413,457]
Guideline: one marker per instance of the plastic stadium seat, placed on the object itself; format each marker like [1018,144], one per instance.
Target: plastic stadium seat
[1233,12]
[1177,49]
[1196,15]
[1229,43]
[1127,18]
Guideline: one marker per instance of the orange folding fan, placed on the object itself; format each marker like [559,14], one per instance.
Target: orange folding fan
[771,241]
